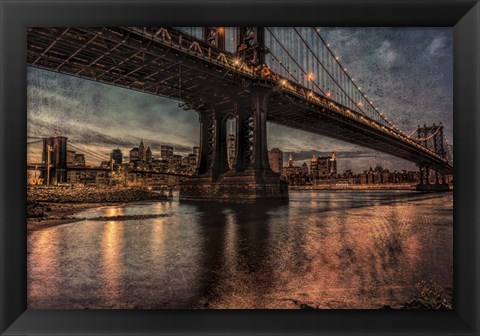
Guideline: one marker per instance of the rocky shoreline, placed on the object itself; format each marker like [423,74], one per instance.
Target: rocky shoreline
[48,207]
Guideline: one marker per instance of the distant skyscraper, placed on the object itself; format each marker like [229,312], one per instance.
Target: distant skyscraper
[117,156]
[134,155]
[231,149]
[275,157]
[314,167]
[196,151]
[290,161]
[148,156]
[166,152]
[324,167]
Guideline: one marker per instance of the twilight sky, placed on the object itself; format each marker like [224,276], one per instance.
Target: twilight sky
[407,72]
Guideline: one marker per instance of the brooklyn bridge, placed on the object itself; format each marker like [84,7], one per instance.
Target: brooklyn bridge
[251,75]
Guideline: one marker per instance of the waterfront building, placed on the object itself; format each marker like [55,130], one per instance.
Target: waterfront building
[275,158]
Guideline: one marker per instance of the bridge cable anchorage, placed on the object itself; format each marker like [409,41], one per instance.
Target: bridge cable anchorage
[343,69]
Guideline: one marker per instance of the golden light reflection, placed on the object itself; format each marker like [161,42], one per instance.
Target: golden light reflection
[231,242]
[115,211]
[158,238]
[111,254]
[44,263]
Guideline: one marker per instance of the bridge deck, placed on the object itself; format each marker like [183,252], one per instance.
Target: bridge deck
[166,62]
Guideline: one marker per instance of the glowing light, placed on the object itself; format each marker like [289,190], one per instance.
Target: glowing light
[310,76]
[328,45]
[220,30]
[344,69]
[328,94]
[360,104]
[236,61]
[283,82]
[337,58]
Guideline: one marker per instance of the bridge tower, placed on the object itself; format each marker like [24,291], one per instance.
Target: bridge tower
[431,178]
[250,178]
[58,159]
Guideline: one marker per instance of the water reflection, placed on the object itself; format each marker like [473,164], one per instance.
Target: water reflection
[326,249]
[112,263]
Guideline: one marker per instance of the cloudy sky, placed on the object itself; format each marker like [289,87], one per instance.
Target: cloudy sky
[407,72]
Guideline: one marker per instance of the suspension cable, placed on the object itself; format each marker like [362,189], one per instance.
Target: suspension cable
[293,59]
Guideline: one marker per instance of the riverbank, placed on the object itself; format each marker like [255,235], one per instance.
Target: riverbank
[48,207]
[396,186]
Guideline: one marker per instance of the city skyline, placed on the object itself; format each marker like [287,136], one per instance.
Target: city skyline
[387,60]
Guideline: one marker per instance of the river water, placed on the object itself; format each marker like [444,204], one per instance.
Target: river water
[327,249]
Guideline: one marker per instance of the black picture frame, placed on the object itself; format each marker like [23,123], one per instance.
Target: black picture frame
[15,16]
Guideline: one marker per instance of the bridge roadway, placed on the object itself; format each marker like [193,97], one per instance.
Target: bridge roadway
[169,63]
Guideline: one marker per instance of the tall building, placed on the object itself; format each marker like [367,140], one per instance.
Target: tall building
[166,152]
[290,161]
[196,152]
[275,157]
[231,149]
[148,156]
[117,156]
[314,167]
[296,175]
[140,156]
[326,167]
[141,152]
[134,155]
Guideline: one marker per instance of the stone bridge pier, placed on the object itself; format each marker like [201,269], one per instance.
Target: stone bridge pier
[250,179]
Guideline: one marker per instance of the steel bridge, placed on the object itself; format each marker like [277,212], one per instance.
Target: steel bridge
[251,74]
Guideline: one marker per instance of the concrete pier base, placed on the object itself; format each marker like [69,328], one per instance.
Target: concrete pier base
[250,186]
[436,187]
